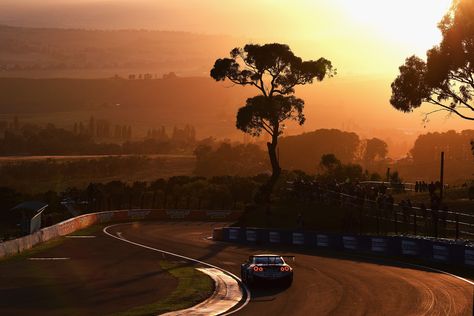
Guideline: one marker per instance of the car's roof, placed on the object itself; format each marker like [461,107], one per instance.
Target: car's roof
[266,255]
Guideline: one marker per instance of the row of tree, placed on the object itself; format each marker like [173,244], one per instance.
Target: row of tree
[49,140]
[300,152]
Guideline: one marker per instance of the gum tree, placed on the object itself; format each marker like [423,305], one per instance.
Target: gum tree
[446,78]
[274,71]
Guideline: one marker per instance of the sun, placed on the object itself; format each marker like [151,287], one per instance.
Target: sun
[406,22]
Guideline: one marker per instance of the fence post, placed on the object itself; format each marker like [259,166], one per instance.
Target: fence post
[378,219]
[395,217]
[414,221]
[457,225]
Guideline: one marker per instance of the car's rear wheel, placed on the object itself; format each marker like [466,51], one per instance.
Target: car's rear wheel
[243,276]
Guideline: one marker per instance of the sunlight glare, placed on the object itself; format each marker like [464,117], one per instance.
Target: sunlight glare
[410,22]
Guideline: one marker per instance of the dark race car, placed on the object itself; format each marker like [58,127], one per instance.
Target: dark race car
[266,268]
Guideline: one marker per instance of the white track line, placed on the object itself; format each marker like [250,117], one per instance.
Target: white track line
[79,236]
[47,259]
[247,292]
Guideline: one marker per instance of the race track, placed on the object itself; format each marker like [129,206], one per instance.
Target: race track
[104,275]
[323,285]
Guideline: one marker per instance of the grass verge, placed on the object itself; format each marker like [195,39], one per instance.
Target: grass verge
[52,243]
[35,250]
[193,288]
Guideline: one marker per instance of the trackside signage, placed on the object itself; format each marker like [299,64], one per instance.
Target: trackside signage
[177,214]
[349,242]
[105,217]
[322,240]
[379,244]
[427,250]
[274,237]
[138,214]
[440,253]
[298,239]
[469,257]
[218,214]
[234,233]
[251,235]
[410,247]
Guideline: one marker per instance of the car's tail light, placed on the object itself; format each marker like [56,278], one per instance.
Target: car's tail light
[260,269]
[282,269]
[287,269]
[255,269]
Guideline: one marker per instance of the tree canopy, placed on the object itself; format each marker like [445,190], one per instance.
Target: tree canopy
[446,78]
[275,71]
[375,148]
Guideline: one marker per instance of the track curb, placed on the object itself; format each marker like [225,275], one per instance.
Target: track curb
[244,299]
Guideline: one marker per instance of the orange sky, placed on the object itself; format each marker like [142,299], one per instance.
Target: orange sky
[366,40]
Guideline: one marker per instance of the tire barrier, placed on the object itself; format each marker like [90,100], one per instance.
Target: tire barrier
[15,246]
[429,250]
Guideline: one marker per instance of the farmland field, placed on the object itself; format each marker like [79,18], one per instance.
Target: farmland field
[60,172]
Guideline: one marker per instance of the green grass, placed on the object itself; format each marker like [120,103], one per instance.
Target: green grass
[89,230]
[193,288]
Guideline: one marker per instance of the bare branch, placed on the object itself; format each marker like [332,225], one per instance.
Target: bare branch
[267,128]
[447,108]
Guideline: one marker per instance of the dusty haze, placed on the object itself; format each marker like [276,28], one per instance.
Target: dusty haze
[366,42]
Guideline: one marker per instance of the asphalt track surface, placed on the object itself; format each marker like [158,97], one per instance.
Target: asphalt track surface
[98,276]
[104,275]
[322,285]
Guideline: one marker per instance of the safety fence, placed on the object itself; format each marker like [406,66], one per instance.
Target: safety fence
[403,219]
[441,251]
[69,226]
[382,217]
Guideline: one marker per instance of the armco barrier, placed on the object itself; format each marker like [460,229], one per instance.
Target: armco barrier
[429,250]
[69,226]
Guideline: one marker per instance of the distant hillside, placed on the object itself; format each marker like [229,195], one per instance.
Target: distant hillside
[43,52]
[201,102]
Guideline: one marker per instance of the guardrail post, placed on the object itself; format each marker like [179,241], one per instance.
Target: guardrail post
[457,225]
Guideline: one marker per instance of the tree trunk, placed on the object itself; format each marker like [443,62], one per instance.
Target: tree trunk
[276,170]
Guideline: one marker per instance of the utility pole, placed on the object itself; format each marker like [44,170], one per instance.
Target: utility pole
[441,177]
[388,175]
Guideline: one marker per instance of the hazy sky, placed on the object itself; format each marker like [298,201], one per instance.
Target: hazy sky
[360,36]
[365,39]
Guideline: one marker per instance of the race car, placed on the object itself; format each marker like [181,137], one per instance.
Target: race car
[266,268]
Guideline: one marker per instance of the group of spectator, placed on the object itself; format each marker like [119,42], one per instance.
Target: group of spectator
[422,186]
